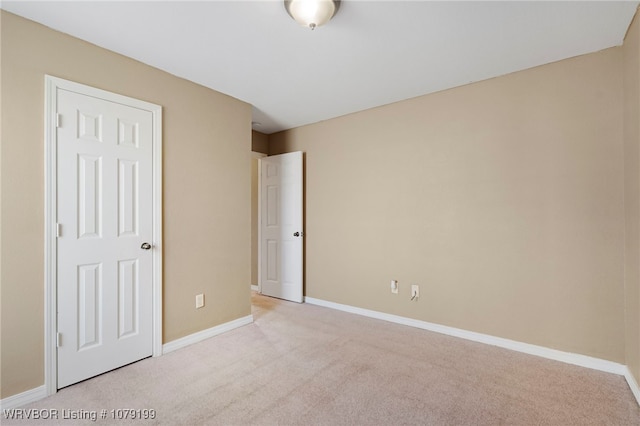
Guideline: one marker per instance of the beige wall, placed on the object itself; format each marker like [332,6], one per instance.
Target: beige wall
[502,199]
[259,142]
[631,51]
[207,144]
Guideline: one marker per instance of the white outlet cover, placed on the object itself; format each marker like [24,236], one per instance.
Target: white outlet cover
[199,301]
[415,291]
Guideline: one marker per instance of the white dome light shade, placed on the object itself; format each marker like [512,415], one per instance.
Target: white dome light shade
[312,13]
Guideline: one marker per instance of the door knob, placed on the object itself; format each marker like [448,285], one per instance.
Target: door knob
[145,246]
[296,234]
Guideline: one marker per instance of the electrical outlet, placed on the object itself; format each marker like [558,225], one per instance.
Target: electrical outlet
[199,301]
[394,286]
[415,291]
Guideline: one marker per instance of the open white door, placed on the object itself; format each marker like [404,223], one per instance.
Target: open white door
[281,226]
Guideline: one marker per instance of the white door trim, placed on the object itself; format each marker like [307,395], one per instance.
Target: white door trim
[260,254]
[52,84]
[258,155]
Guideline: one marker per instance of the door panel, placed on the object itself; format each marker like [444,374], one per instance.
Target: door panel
[89,185]
[128,289]
[105,209]
[127,198]
[89,295]
[281,226]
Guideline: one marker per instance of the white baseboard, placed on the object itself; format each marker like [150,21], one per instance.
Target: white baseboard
[541,351]
[255,287]
[205,334]
[23,398]
[632,384]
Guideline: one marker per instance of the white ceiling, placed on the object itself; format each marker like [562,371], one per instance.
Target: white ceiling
[372,53]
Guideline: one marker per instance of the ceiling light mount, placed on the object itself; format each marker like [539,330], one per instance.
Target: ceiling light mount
[312,13]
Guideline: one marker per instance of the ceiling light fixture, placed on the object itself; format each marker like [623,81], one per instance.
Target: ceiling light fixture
[312,13]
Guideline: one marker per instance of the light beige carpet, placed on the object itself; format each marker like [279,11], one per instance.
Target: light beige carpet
[307,365]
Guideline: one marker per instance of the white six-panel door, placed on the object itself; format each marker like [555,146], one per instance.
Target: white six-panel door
[104,211]
[281,225]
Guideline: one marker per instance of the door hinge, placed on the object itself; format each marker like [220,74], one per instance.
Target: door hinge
[58,340]
[58,230]
[58,120]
